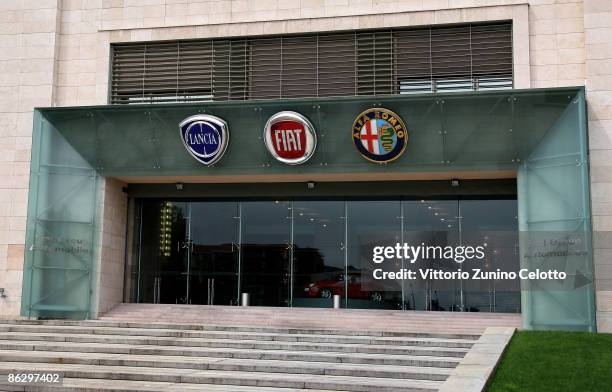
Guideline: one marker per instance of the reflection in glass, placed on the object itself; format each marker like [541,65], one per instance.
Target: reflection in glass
[318,254]
[494,223]
[163,252]
[370,224]
[302,253]
[431,223]
[266,251]
[214,253]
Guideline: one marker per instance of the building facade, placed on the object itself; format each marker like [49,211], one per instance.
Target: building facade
[488,90]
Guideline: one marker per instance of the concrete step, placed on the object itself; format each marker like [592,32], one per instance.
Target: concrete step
[95,385]
[306,318]
[296,381]
[290,354]
[430,357]
[237,335]
[238,328]
[231,364]
[231,343]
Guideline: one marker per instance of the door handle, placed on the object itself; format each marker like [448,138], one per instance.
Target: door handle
[183,245]
[212,291]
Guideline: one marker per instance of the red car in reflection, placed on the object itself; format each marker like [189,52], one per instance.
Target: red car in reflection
[357,289]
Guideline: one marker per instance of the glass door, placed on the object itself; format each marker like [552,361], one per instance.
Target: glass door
[435,224]
[213,257]
[318,253]
[163,258]
[494,223]
[371,223]
[266,251]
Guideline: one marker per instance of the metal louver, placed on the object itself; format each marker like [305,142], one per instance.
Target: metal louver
[373,62]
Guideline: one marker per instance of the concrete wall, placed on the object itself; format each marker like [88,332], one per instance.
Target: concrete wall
[110,267]
[548,38]
[51,56]
[29,32]
[548,41]
[598,30]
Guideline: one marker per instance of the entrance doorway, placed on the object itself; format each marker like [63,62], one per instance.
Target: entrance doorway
[301,253]
[185,256]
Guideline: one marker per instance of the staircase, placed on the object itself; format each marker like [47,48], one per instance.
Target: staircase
[118,355]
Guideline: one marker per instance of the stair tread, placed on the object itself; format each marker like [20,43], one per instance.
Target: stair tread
[222,352]
[4,339]
[12,356]
[227,377]
[92,385]
[364,339]
[150,324]
[170,341]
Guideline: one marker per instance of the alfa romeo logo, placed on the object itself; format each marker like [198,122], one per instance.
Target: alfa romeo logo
[205,137]
[380,135]
[290,138]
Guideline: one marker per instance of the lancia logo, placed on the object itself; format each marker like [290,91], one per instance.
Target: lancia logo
[290,138]
[205,137]
[380,135]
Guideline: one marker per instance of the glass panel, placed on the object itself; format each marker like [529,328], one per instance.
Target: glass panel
[61,236]
[431,223]
[214,253]
[266,251]
[163,254]
[318,267]
[494,223]
[317,231]
[133,266]
[370,224]
[554,221]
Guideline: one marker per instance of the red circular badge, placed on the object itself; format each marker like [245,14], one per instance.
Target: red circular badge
[290,137]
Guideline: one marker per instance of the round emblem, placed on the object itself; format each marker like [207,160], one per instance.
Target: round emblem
[205,137]
[380,135]
[290,138]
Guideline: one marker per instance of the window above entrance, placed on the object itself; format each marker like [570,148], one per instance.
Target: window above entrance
[365,62]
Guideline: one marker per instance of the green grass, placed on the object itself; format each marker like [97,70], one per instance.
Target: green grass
[546,361]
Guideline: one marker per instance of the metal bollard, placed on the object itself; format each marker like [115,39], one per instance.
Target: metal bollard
[336,301]
[245,299]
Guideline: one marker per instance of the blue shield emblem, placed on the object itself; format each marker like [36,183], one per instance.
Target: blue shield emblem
[205,137]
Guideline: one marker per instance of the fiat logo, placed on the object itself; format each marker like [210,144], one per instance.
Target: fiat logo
[290,138]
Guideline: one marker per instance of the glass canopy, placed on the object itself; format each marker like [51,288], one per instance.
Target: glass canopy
[538,135]
[464,131]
